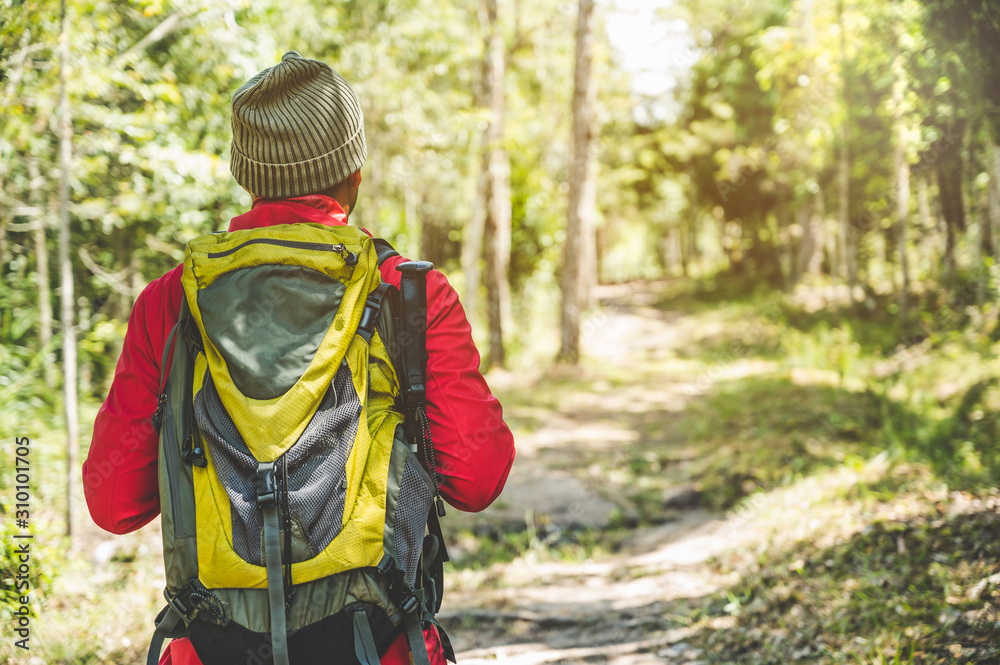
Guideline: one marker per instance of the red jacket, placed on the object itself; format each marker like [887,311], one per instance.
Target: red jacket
[473,446]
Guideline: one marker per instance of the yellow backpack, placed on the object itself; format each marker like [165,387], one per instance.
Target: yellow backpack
[294,507]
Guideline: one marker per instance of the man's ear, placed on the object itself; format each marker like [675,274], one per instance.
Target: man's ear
[355,178]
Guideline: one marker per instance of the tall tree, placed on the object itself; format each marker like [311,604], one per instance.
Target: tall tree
[848,236]
[66,294]
[475,229]
[498,207]
[902,171]
[575,281]
[993,196]
[42,267]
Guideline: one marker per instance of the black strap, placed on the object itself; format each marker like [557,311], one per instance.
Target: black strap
[446,646]
[415,636]
[267,500]
[364,641]
[412,332]
[286,515]
[383,250]
[373,305]
[164,627]
[434,526]
[413,319]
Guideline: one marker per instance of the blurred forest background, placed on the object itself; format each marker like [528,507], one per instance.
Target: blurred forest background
[806,193]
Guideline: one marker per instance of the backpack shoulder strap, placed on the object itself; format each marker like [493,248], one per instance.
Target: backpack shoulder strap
[412,319]
[384,250]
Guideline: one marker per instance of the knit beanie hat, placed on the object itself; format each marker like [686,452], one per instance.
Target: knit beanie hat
[297,129]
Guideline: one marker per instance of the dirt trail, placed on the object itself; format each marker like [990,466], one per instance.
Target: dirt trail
[618,609]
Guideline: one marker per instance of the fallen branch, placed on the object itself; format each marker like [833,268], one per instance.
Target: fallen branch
[115,280]
[158,245]
[167,26]
[26,227]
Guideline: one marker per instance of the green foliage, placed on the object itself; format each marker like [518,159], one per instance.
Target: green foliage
[40,563]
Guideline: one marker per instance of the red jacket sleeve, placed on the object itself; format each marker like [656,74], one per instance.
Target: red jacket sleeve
[119,476]
[474,448]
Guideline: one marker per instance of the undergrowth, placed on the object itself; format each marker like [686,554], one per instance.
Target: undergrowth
[921,589]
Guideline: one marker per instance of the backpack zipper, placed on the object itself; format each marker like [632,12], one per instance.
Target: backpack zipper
[350,258]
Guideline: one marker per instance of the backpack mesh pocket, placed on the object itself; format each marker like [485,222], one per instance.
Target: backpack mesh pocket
[413,506]
[316,469]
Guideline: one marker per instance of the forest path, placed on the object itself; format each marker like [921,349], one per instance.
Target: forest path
[574,430]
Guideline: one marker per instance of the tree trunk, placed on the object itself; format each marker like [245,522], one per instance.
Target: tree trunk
[821,232]
[472,237]
[732,244]
[902,219]
[3,243]
[950,178]
[691,221]
[902,168]
[725,242]
[411,221]
[42,272]
[846,238]
[66,294]
[582,191]
[367,215]
[125,256]
[498,221]
[848,270]
[682,252]
[811,249]
[785,250]
[435,245]
[993,166]
[927,222]
[85,369]
[691,239]
[928,225]
[472,248]
[44,295]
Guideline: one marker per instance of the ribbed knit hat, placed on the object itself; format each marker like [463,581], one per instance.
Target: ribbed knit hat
[297,129]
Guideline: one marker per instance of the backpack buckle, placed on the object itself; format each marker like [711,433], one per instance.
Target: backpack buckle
[175,603]
[400,591]
[267,486]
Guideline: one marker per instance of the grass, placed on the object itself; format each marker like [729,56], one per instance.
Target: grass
[542,542]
